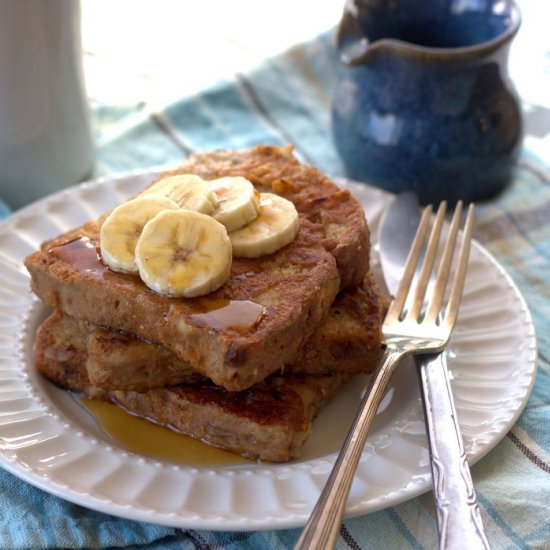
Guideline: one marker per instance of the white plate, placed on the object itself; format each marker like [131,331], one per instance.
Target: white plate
[47,439]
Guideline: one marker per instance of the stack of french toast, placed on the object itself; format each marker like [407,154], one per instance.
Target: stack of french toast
[229,300]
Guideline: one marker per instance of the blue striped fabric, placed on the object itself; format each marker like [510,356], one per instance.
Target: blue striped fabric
[288,100]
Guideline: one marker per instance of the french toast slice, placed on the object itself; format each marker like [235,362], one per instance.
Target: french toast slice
[338,221]
[269,421]
[348,338]
[282,297]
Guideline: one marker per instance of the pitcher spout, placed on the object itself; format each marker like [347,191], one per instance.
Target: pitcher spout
[424,27]
[351,44]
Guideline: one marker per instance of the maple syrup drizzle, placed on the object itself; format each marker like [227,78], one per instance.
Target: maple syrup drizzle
[138,434]
[83,254]
[142,437]
[240,315]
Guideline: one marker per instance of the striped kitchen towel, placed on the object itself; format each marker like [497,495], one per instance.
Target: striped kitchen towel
[287,100]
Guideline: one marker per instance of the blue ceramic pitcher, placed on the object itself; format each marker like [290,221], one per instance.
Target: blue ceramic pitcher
[425,102]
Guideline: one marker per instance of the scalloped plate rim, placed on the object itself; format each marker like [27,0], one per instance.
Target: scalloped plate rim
[199,520]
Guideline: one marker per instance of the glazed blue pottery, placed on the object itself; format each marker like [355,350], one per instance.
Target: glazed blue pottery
[425,102]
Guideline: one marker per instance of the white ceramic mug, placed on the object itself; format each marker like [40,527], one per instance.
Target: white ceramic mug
[45,136]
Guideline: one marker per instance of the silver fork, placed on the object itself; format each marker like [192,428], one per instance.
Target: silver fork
[414,324]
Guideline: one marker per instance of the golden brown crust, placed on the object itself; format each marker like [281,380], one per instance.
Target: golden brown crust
[338,218]
[117,360]
[348,340]
[295,290]
[296,286]
[269,421]
[60,354]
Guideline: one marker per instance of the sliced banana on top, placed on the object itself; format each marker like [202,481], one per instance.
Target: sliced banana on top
[187,190]
[121,229]
[238,202]
[276,226]
[183,253]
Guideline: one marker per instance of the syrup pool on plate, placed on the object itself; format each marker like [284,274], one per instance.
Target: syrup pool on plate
[142,437]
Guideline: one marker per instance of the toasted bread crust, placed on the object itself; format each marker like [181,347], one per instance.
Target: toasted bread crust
[295,286]
[295,289]
[336,214]
[119,361]
[269,421]
[348,340]
[60,350]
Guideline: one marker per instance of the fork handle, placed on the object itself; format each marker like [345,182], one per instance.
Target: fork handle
[323,526]
[458,516]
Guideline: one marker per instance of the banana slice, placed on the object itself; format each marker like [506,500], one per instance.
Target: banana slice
[121,229]
[183,253]
[189,191]
[276,225]
[238,202]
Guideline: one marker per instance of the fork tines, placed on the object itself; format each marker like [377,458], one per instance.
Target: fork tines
[418,309]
